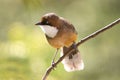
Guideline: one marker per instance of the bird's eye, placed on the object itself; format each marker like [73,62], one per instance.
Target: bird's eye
[47,22]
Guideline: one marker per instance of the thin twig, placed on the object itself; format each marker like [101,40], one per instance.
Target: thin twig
[79,43]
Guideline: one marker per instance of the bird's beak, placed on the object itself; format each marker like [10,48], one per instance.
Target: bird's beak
[39,23]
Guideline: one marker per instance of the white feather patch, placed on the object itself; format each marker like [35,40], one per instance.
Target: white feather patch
[49,30]
[76,63]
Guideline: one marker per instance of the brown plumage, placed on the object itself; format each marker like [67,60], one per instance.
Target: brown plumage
[64,36]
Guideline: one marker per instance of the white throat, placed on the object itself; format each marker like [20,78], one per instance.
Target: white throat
[49,30]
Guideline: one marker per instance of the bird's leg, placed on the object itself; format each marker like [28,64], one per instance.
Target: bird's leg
[75,47]
[53,60]
[75,50]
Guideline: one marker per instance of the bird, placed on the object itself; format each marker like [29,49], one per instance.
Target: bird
[62,35]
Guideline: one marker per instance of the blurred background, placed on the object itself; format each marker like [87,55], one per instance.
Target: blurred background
[25,54]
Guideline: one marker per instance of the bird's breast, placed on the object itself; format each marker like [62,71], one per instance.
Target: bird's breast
[63,38]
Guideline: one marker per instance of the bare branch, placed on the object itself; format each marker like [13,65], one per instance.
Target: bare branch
[79,43]
[99,31]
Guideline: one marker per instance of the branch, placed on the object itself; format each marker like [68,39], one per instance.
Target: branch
[79,43]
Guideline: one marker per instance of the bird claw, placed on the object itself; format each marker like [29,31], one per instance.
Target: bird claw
[53,65]
[74,46]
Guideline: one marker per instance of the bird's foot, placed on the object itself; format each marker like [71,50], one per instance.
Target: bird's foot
[53,65]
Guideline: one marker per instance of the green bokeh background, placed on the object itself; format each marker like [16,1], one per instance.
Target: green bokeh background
[25,54]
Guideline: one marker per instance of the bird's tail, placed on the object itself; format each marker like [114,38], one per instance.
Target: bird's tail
[73,61]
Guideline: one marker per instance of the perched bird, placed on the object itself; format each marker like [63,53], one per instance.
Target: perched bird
[61,34]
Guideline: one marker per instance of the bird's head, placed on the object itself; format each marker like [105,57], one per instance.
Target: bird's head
[50,19]
[49,24]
